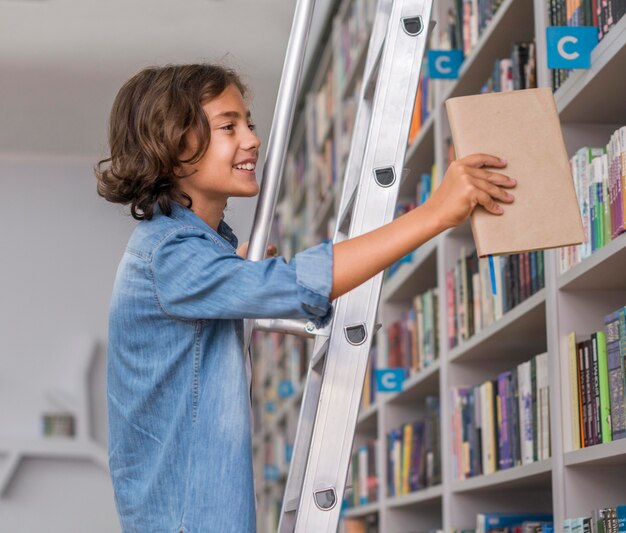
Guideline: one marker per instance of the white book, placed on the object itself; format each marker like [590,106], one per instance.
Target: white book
[488,428]
[525,412]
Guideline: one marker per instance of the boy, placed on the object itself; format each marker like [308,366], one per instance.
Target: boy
[182,143]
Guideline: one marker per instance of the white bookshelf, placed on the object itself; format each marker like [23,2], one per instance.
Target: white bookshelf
[571,482]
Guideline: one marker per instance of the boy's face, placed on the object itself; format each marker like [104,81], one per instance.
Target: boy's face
[227,169]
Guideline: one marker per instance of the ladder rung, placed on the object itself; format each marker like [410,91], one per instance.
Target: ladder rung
[370,77]
[320,354]
[292,505]
[302,328]
[344,215]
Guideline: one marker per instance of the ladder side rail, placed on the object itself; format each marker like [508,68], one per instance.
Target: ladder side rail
[310,398]
[345,367]
[278,141]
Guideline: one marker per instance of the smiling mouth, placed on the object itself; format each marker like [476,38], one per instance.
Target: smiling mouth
[248,167]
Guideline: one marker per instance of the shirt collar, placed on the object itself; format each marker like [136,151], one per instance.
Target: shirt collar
[180,212]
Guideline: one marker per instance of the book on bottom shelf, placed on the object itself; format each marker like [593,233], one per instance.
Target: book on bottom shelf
[502,423]
[597,376]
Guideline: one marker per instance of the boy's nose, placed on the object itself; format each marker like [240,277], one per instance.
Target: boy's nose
[251,141]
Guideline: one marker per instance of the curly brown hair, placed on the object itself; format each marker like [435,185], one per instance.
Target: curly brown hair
[152,117]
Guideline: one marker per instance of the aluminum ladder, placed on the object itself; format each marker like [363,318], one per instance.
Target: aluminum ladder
[332,394]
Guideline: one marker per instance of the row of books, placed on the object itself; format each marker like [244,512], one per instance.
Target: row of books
[325,171]
[320,110]
[519,71]
[603,14]
[502,423]
[363,475]
[597,368]
[600,182]
[467,20]
[58,425]
[471,302]
[605,520]
[413,341]
[346,124]
[295,172]
[354,34]
[424,102]
[514,523]
[414,453]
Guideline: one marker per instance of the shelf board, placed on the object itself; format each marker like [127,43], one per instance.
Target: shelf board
[420,156]
[418,385]
[522,329]
[420,497]
[361,510]
[603,270]
[578,98]
[600,454]
[368,419]
[413,278]
[514,21]
[537,474]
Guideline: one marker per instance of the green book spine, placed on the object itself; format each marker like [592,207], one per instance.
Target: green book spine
[605,396]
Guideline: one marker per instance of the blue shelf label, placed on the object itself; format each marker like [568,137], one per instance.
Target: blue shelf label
[271,472]
[444,64]
[570,46]
[389,379]
[285,388]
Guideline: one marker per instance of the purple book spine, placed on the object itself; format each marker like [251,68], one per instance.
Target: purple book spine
[504,444]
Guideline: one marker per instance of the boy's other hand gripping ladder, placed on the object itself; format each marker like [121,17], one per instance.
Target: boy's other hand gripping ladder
[332,395]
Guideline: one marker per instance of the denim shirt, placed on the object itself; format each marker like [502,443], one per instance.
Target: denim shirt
[180,451]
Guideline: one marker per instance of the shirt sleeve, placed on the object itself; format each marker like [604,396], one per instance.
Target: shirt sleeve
[195,278]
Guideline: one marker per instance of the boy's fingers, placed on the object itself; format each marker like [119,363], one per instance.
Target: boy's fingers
[483,160]
[494,177]
[493,190]
[489,203]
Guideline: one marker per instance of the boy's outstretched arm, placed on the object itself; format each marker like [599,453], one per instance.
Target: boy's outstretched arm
[465,185]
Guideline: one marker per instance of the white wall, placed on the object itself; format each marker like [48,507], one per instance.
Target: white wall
[60,244]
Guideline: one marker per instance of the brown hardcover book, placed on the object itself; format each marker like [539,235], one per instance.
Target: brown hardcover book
[523,128]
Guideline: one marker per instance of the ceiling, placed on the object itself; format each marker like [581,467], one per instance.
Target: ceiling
[62,61]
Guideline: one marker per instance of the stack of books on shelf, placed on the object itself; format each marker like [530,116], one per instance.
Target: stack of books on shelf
[367,524]
[515,72]
[502,423]
[597,383]
[295,170]
[354,34]
[600,182]
[605,520]
[414,453]
[363,476]
[424,102]
[603,14]
[467,20]
[58,425]
[471,302]
[413,341]
[511,523]
[320,111]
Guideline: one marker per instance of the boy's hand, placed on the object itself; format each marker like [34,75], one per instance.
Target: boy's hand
[466,185]
[271,251]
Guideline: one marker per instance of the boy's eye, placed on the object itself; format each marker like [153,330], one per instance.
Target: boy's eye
[228,127]
[252,127]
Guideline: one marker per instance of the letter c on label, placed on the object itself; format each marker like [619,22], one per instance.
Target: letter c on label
[561,47]
[389,381]
[439,64]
